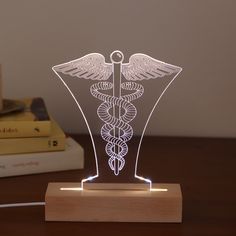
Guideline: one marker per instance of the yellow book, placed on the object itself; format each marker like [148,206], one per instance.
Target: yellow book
[31,163]
[33,121]
[55,142]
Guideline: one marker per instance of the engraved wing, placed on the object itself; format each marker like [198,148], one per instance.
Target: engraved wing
[144,67]
[91,66]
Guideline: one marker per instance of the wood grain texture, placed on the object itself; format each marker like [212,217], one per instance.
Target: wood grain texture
[113,204]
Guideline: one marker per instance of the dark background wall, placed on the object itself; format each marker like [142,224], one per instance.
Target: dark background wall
[199,36]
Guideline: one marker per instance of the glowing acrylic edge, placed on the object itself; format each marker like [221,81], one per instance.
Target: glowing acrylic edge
[90,178]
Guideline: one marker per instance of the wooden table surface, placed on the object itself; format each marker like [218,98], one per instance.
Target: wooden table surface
[205,168]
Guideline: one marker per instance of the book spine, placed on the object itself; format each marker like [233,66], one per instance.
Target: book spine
[22,129]
[31,145]
[23,164]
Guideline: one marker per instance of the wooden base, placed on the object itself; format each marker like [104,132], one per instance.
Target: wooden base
[162,204]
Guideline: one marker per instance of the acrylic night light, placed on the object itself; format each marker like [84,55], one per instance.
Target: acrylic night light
[116,100]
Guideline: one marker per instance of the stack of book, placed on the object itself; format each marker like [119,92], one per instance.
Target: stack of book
[32,142]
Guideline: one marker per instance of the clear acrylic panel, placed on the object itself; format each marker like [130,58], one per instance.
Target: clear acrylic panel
[117,100]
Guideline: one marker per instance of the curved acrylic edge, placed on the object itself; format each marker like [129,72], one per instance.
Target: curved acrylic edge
[86,122]
[145,127]
[90,178]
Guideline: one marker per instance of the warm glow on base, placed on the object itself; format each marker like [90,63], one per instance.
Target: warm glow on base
[158,189]
[71,189]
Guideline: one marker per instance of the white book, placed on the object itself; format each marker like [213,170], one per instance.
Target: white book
[32,163]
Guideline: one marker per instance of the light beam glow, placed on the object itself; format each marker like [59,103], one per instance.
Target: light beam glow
[158,189]
[71,189]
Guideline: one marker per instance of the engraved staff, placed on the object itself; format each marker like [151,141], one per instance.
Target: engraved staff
[117,58]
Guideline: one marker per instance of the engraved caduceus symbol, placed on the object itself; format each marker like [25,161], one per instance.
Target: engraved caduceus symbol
[116,110]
